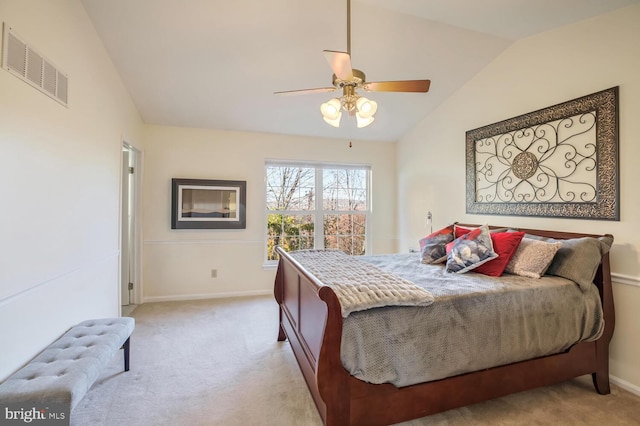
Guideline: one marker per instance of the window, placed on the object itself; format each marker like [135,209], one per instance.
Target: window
[317,206]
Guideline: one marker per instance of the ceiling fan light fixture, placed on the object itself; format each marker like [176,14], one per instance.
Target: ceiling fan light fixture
[361,107]
[335,122]
[363,121]
[348,79]
[331,109]
[366,107]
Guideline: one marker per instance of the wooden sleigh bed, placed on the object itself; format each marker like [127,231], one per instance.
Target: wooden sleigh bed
[310,318]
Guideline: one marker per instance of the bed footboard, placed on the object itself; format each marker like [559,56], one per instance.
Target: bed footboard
[310,318]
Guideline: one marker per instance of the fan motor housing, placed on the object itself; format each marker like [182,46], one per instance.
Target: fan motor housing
[357,80]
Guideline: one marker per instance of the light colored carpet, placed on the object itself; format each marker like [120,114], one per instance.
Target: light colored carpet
[217,362]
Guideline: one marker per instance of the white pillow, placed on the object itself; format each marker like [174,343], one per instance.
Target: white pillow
[532,258]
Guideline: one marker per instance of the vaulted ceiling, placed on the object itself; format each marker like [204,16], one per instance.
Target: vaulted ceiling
[216,63]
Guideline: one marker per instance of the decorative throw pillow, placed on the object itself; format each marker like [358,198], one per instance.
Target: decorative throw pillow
[432,247]
[470,251]
[459,230]
[532,258]
[505,244]
[578,259]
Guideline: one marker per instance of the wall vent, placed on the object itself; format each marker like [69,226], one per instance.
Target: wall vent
[29,65]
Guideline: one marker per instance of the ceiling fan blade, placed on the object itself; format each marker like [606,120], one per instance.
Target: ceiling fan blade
[398,86]
[306,91]
[340,63]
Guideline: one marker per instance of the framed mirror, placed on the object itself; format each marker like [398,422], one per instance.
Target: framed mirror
[208,204]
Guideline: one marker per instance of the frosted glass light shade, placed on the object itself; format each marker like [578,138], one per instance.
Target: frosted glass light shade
[364,110]
[366,107]
[331,109]
[335,122]
[331,112]
[363,121]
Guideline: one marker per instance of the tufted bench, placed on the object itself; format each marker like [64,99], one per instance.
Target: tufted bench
[66,369]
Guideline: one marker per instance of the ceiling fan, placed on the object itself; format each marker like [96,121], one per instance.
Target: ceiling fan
[349,79]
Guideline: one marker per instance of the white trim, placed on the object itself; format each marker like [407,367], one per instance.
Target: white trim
[625,279]
[180,297]
[137,242]
[138,176]
[630,387]
[87,265]
[161,242]
[316,164]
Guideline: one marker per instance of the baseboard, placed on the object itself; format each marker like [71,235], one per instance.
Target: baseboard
[625,385]
[181,297]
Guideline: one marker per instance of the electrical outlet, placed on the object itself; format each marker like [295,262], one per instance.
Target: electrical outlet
[214,273]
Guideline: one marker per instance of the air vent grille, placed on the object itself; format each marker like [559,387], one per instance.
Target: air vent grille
[28,64]
[18,58]
[62,87]
[34,72]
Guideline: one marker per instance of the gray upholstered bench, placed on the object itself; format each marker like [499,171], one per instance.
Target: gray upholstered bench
[66,369]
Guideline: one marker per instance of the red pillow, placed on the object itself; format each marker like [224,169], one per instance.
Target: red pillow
[459,231]
[505,244]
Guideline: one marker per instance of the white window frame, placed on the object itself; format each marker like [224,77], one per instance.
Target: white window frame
[318,212]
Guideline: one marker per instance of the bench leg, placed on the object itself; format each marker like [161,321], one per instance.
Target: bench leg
[126,354]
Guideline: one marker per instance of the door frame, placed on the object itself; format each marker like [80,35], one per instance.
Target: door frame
[136,225]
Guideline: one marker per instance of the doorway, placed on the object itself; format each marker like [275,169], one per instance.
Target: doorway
[129,245]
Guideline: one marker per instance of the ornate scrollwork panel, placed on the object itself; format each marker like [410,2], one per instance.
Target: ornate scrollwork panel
[560,161]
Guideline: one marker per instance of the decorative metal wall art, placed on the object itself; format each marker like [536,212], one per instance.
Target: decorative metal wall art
[560,161]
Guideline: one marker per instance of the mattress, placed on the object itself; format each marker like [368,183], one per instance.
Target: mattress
[475,322]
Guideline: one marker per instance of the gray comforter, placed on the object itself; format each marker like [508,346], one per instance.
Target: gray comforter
[475,322]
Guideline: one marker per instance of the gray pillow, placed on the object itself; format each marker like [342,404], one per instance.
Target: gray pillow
[578,258]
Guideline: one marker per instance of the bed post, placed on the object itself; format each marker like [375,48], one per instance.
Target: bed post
[603,281]
[278,290]
[331,376]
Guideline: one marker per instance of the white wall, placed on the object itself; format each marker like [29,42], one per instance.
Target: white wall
[60,170]
[60,174]
[534,73]
[178,263]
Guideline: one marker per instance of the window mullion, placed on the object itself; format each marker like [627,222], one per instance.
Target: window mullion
[319,214]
